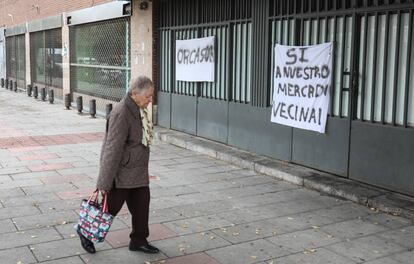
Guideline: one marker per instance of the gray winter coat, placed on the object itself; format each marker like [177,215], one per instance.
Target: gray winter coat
[124,160]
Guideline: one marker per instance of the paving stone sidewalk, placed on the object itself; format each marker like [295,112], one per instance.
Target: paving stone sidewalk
[203,210]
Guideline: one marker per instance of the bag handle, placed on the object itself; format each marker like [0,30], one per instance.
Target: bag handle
[104,204]
[94,194]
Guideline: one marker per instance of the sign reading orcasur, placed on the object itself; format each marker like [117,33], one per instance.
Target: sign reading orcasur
[195,60]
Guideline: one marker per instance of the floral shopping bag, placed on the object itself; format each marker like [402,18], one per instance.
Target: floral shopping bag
[94,219]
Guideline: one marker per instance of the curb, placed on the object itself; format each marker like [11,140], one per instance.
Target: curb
[376,199]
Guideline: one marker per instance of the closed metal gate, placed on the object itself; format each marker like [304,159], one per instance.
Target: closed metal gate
[2,54]
[382,135]
[46,59]
[370,134]
[16,60]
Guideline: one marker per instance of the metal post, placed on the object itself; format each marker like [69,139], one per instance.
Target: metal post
[7,83]
[15,86]
[2,82]
[51,96]
[92,108]
[108,109]
[79,104]
[11,85]
[67,101]
[35,92]
[29,90]
[43,94]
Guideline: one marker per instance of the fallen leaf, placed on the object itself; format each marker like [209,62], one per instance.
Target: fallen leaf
[33,236]
[253,257]
[315,227]
[291,218]
[236,234]
[212,237]
[309,251]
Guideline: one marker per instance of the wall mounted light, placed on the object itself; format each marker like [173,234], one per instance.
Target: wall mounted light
[143,5]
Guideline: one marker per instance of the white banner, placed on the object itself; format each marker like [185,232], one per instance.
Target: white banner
[194,60]
[302,83]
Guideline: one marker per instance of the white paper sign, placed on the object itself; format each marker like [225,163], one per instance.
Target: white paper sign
[194,60]
[302,83]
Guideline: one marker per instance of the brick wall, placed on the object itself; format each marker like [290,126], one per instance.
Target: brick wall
[13,12]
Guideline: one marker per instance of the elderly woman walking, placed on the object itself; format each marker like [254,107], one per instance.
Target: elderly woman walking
[123,174]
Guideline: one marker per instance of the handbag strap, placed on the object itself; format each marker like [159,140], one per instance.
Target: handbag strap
[94,194]
[104,204]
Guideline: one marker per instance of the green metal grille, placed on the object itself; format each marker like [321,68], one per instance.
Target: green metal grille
[16,59]
[99,58]
[46,58]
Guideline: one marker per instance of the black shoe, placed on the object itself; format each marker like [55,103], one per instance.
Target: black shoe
[86,243]
[148,248]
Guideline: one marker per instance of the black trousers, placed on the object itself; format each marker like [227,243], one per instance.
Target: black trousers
[137,200]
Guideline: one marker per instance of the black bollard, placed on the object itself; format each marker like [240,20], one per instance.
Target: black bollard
[108,109]
[43,94]
[92,108]
[35,92]
[79,104]
[11,85]
[2,82]
[7,83]
[15,86]
[29,90]
[67,101]
[51,96]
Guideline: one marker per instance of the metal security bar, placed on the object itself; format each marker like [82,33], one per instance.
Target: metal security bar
[383,62]
[166,61]
[386,89]
[181,87]
[289,7]
[16,60]
[336,29]
[241,61]
[229,21]
[46,58]
[100,58]
[218,89]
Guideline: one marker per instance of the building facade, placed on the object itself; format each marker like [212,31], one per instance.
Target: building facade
[369,135]
[82,48]
[93,48]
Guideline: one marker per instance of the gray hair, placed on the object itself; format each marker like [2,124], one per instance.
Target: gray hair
[139,84]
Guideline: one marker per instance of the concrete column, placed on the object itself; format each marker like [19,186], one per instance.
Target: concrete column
[141,40]
[141,43]
[27,52]
[65,57]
